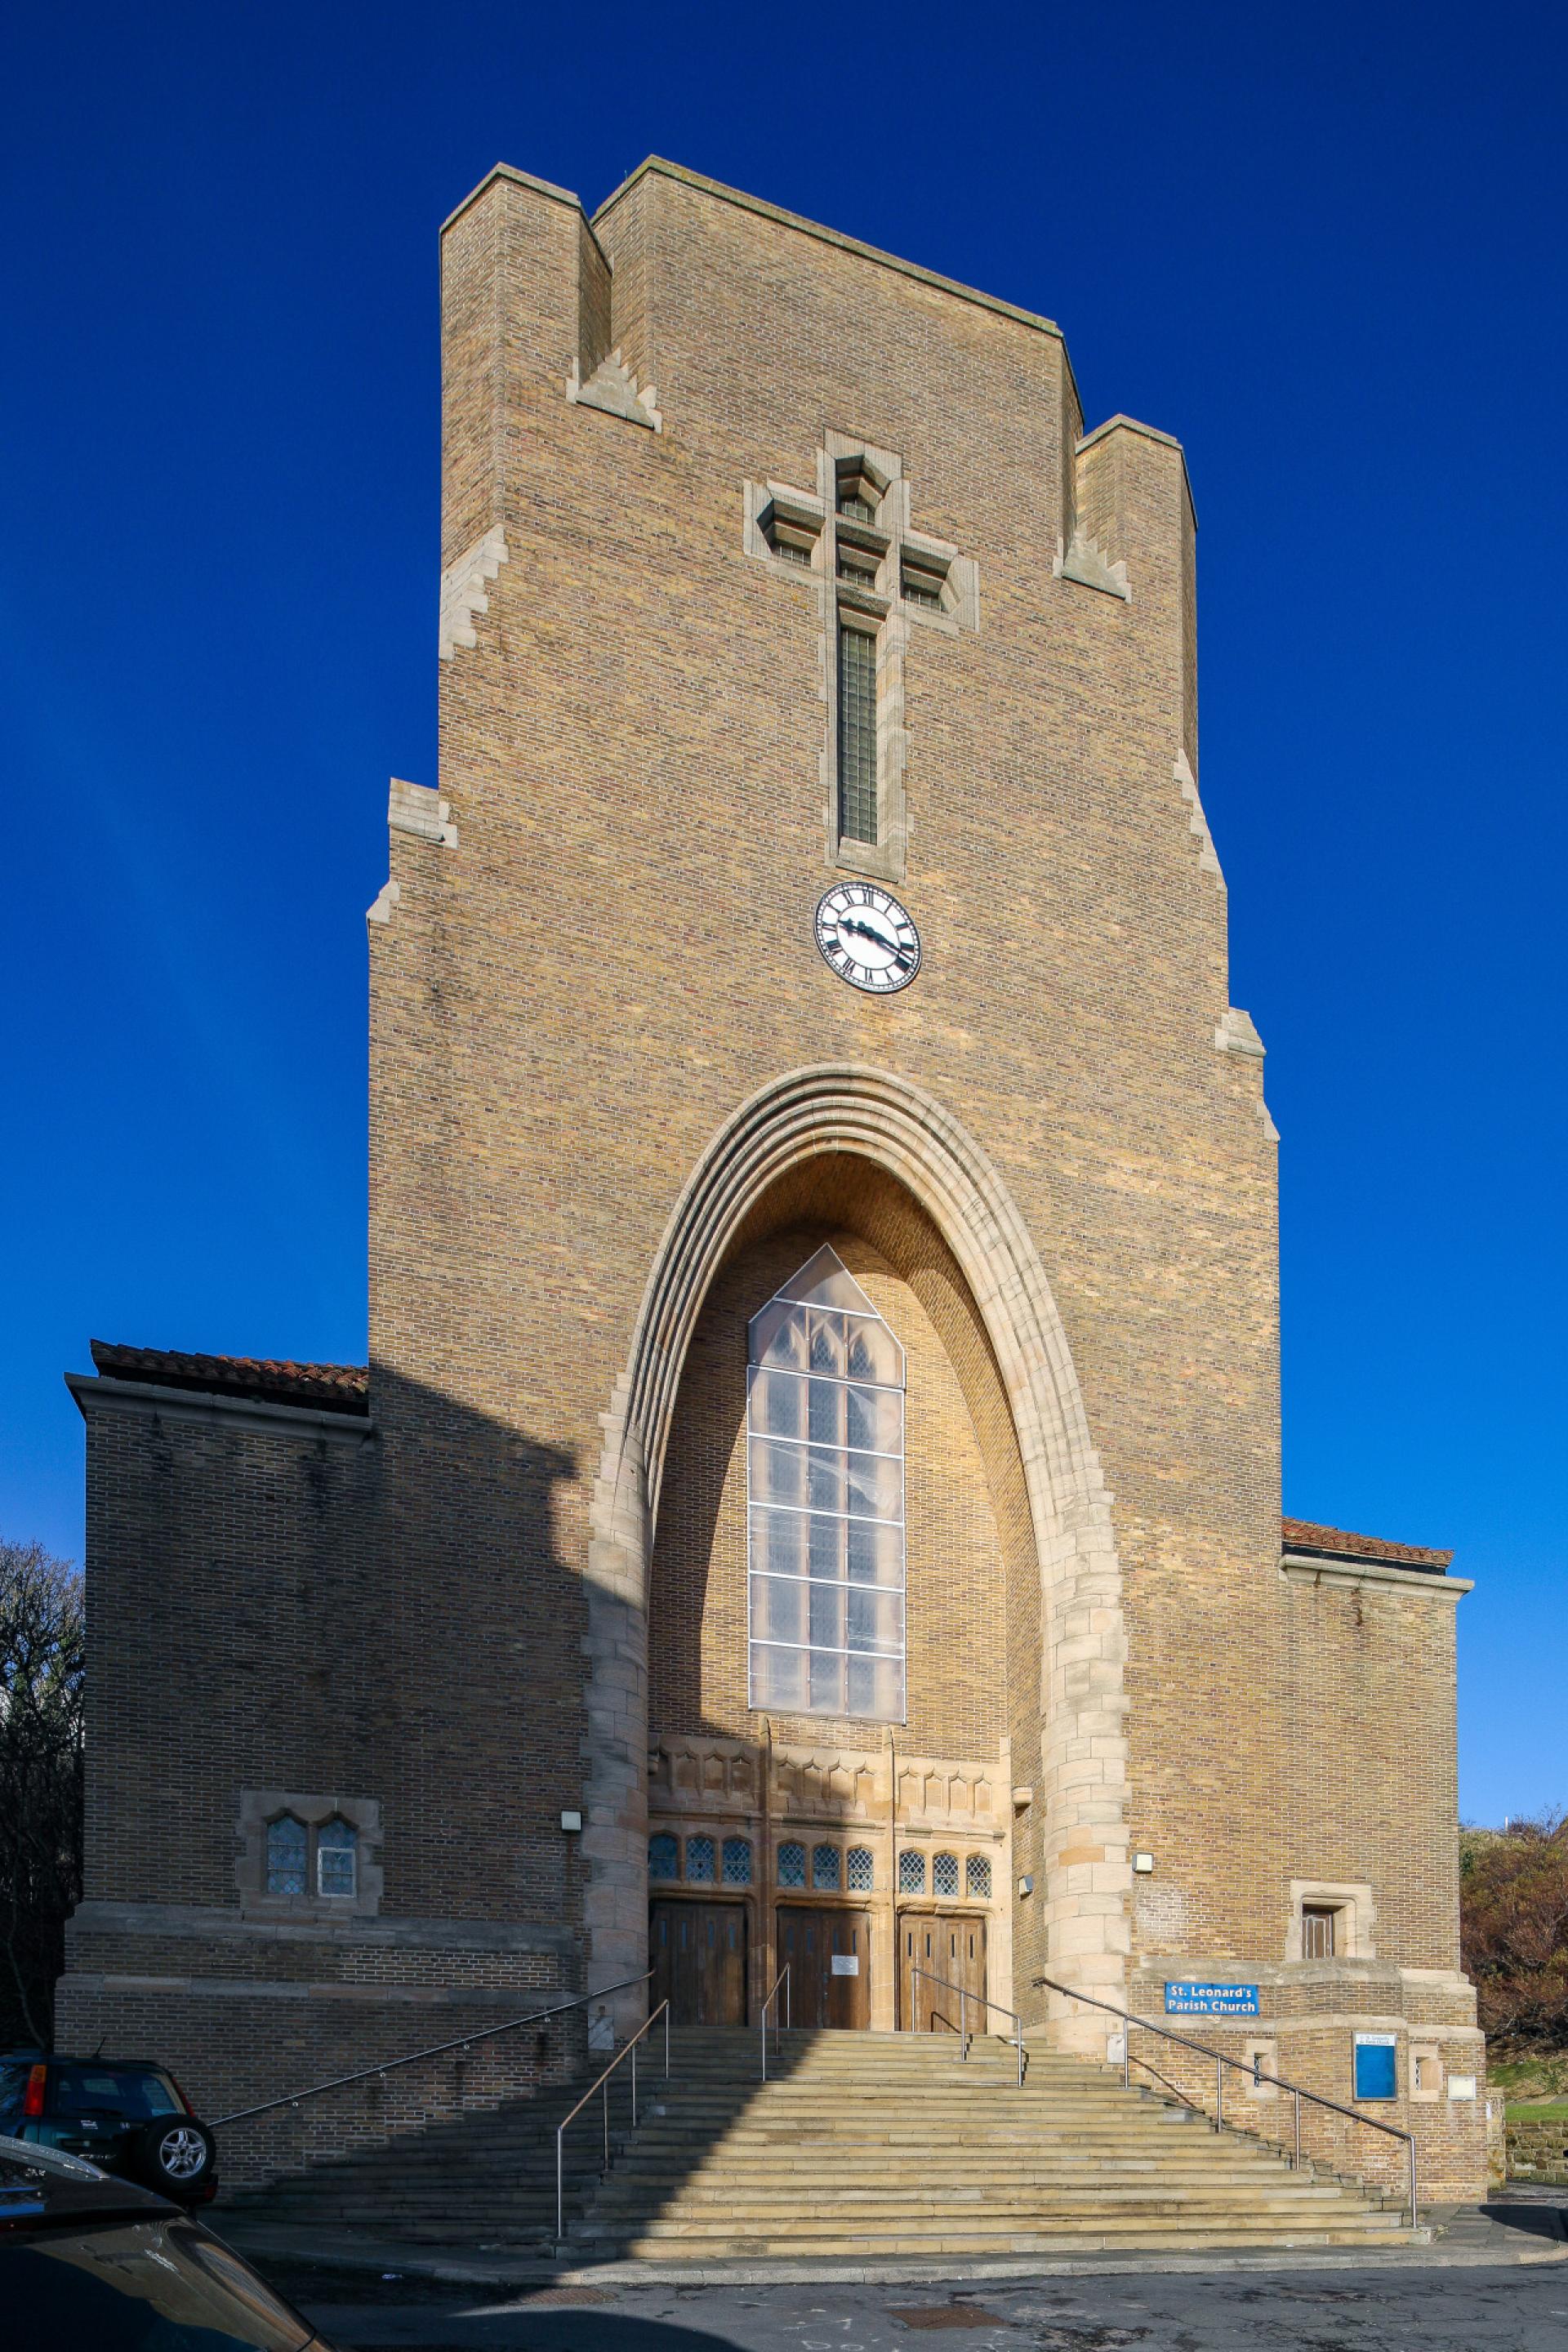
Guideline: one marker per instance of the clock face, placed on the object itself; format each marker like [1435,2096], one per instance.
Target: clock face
[868,937]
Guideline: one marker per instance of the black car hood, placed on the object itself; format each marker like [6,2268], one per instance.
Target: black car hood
[39,2186]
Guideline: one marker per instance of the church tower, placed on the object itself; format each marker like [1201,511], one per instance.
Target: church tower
[815,1496]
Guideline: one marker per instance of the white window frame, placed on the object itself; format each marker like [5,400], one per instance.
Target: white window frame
[823,1264]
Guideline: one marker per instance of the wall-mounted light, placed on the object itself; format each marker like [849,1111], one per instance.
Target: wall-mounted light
[1143,1864]
[1025,1886]
[572,1822]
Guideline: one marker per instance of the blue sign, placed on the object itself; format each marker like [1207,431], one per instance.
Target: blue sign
[1376,2066]
[1211,2000]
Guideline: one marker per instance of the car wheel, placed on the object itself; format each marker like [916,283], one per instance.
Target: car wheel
[174,2155]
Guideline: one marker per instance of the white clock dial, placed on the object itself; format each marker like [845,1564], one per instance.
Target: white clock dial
[868,937]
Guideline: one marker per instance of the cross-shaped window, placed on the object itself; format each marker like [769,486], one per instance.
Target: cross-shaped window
[852,541]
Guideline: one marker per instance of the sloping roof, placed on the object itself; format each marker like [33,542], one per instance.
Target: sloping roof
[335,1388]
[1304,1536]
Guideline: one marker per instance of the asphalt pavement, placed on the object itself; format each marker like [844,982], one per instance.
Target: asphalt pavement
[1513,2309]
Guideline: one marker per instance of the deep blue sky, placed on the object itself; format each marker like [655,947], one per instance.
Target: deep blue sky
[1323,246]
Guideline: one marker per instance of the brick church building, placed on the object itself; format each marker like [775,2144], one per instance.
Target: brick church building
[814,1492]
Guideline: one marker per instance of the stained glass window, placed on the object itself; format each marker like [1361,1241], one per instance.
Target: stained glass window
[700,1861]
[861,1870]
[977,1875]
[944,1874]
[825,1486]
[912,1872]
[737,1862]
[663,1856]
[337,1857]
[286,1856]
[792,1864]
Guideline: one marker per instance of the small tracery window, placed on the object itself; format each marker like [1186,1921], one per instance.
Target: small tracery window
[860,1870]
[737,1862]
[337,1858]
[286,1856]
[700,1861]
[911,1871]
[825,1868]
[977,1876]
[825,1486]
[663,1856]
[792,1864]
[944,1874]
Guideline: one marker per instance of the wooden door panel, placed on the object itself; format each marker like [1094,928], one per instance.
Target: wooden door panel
[698,1954]
[828,1954]
[948,1946]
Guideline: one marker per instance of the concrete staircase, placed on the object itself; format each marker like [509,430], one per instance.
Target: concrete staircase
[859,2146]
[484,2178]
[869,2146]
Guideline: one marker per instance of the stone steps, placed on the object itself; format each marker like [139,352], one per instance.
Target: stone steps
[857,2145]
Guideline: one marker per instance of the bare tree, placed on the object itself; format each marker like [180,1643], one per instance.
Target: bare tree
[43,1659]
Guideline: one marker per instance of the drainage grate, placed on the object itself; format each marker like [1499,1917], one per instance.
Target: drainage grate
[531,2298]
[949,2315]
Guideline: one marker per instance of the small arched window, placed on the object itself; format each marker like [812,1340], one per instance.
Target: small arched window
[860,1872]
[824,1418]
[792,1864]
[700,1862]
[737,1863]
[663,1856]
[286,1856]
[337,1858]
[944,1874]
[825,1868]
[911,1871]
[977,1876]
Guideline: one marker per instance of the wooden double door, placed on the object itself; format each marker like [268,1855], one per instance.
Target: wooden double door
[829,1955]
[946,1945]
[698,1952]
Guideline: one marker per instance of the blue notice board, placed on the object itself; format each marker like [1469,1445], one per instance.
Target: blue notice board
[1211,2000]
[1376,2066]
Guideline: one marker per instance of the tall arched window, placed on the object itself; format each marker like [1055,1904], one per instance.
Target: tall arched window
[337,1858]
[286,1855]
[825,1490]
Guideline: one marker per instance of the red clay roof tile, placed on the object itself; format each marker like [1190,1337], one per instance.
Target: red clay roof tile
[337,1388]
[1338,1543]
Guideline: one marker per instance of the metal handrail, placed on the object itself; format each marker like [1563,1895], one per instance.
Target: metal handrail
[964,1997]
[602,2084]
[1221,2060]
[782,1979]
[437,2050]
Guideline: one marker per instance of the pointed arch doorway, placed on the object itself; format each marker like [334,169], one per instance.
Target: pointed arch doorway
[793,1131]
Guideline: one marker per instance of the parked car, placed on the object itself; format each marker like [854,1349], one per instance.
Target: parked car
[127,2116]
[89,2263]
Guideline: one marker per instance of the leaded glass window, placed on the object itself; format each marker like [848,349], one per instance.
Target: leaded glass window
[792,1864]
[825,1486]
[286,1856]
[857,733]
[944,1874]
[737,1863]
[912,1872]
[977,1876]
[860,1871]
[337,1858]
[825,1868]
[699,1859]
[663,1856]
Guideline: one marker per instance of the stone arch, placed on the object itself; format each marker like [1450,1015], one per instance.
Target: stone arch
[1082,1792]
